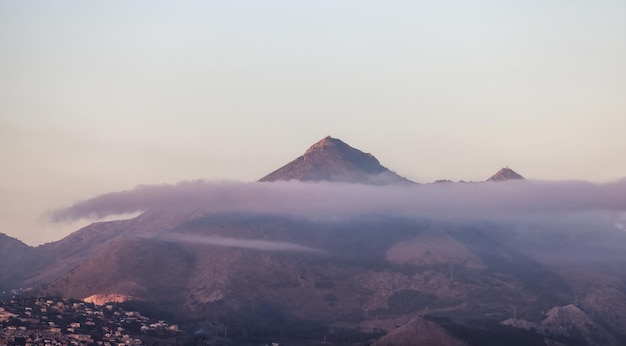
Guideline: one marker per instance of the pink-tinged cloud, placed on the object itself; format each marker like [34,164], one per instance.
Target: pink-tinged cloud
[328,200]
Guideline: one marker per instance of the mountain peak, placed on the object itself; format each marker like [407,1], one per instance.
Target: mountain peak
[505,174]
[331,159]
[327,142]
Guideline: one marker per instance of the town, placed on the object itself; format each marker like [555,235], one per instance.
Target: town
[65,321]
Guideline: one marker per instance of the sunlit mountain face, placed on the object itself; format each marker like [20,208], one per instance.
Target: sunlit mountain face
[331,159]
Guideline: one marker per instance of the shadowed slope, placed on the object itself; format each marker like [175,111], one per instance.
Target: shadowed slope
[15,259]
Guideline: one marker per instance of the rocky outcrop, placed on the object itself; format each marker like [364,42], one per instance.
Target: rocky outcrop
[568,322]
[101,299]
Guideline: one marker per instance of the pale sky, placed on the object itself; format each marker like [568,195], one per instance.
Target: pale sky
[102,96]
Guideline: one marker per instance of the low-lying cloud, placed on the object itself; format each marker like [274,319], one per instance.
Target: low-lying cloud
[328,200]
[253,244]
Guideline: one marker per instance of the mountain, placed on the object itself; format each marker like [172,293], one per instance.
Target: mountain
[331,159]
[341,280]
[16,258]
[9,244]
[53,260]
[361,280]
[505,174]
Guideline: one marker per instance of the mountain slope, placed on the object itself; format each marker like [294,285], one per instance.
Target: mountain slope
[310,279]
[571,323]
[15,260]
[53,260]
[330,159]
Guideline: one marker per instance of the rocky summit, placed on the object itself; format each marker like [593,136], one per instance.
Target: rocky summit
[505,174]
[331,159]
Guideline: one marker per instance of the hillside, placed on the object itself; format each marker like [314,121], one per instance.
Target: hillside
[16,259]
[353,276]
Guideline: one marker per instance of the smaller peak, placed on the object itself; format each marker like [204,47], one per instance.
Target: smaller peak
[504,174]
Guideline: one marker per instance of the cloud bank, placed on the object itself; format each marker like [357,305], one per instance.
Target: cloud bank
[328,200]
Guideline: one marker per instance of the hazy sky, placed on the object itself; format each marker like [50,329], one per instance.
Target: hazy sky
[103,96]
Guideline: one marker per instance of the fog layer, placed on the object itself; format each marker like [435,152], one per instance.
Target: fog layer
[312,200]
[237,243]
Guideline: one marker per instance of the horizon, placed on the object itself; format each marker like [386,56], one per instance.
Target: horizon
[102,97]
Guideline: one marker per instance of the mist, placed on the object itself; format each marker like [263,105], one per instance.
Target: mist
[459,201]
[262,245]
